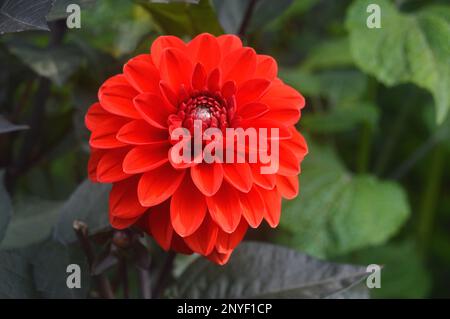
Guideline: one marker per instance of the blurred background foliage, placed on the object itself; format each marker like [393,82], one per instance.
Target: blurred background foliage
[375,187]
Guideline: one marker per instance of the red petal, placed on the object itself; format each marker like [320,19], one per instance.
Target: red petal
[287,186]
[218,258]
[139,132]
[199,77]
[154,109]
[266,122]
[179,245]
[253,207]
[104,135]
[252,111]
[227,242]
[95,157]
[187,208]
[266,181]
[239,65]
[176,69]
[214,81]
[109,167]
[142,74]
[272,200]
[204,239]
[207,177]
[228,43]
[251,91]
[239,175]
[116,96]
[289,164]
[163,42]
[282,96]
[159,184]
[286,116]
[167,92]
[123,200]
[228,89]
[205,49]
[122,223]
[145,158]
[266,67]
[96,116]
[159,224]
[224,208]
[297,144]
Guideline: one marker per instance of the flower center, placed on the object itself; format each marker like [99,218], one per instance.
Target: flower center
[210,109]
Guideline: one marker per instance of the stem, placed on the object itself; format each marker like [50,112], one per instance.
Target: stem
[123,273]
[430,197]
[420,152]
[394,135]
[102,282]
[145,283]
[246,19]
[164,275]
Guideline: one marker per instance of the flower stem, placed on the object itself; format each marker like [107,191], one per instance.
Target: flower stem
[164,275]
[430,197]
[102,282]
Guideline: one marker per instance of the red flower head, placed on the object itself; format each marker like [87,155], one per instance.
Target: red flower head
[195,206]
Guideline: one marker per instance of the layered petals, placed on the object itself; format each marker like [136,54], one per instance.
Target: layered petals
[150,113]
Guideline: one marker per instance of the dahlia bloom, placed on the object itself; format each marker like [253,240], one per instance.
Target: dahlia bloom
[193,207]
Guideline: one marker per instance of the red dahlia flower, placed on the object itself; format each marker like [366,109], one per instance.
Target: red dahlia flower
[195,207]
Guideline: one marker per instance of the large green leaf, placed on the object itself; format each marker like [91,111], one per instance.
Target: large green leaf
[40,271]
[49,268]
[330,53]
[342,118]
[259,270]
[57,63]
[89,204]
[404,274]
[5,207]
[407,48]
[338,212]
[22,15]
[31,223]
[184,18]
[16,279]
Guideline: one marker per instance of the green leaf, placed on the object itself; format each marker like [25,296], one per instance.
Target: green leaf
[5,207]
[399,279]
[342,118]
[258,270]
[184,18]
[89,204]
[307,83]
[57,63]
[22,15]
[16,276]
[407,48]
[49,264]
[329,54]
[338,212]
[338,86]
[31,223]
[7,127]
[39,271]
